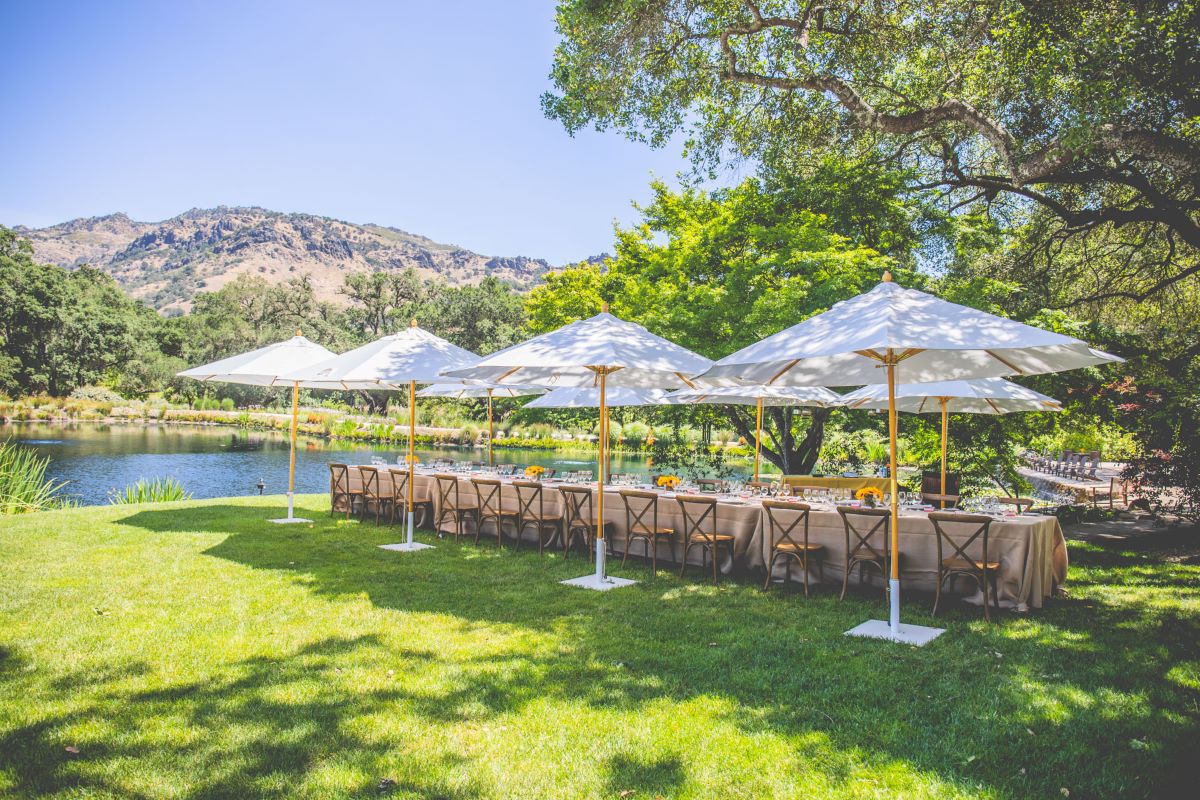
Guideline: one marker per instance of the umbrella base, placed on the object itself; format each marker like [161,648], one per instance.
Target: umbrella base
[599,583]
[920,635]
[406,547]
[289,520]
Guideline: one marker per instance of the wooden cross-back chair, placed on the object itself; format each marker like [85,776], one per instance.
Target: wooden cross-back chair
[491,508]
[579,519]
[377,492]
[862,525]
[700,530]
[1022,503]
[452,505]
[532,512]
[710,484]
[981,570]
[940,500]
[783,519]
[422,506]
[641,525]
[344,494]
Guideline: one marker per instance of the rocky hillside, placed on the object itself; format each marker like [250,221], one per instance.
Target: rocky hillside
[167,263]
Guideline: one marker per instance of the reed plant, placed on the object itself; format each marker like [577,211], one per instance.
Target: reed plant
[24,487]
[158,490]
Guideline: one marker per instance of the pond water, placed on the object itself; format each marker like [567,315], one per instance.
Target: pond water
[216,461]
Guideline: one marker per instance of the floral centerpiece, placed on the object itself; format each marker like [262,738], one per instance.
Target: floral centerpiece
[668,482]
[413,459]
[534,472]
[869,495]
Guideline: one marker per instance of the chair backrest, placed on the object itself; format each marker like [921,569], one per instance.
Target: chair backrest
[370,482]
[809,491]
[1022,503]
[529,499]
[399,476]
[761,486]
[577,507]
[863,524]
[339,479]
[490,498]
[945,525]
[710,484]
[699,516]
[506,469]
[782,520]
[447,489]
[931,482]
[549,473]
[641,510]
[942,500]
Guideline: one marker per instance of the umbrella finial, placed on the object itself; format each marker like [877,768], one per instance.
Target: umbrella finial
[887,276]
[412,323]
[604,307]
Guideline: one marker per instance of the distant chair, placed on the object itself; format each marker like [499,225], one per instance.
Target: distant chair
[641,524]
[491,508]
[810,492]
[940,500]
[864,525]
[422,504]
[377,492]
[931,482]
[1022,503]
[710,484]
[981,570]
[761,486]
[453,506]
[532,513]
[700,530]
[579,519]
[343,492]
[783,519]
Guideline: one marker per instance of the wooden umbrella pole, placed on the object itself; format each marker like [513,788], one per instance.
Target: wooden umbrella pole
[894,619]
[491,428]
[945,429]
[600,545]
[758,438]
[292,449]
[412,451]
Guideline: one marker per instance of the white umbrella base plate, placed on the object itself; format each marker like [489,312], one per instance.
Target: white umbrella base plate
[289,520]
[920,635]
[597,583]
[406,547]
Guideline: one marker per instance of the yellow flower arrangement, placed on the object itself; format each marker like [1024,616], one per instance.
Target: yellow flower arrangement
[412,459]
[534,471]
[668,481]
[869,494]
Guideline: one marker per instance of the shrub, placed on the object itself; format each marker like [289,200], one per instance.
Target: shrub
[159,490]
[96,394]
[24,487]
[227,404]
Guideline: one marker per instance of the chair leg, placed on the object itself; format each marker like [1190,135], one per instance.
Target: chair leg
[937,594]
[629,540]
[715,550]
[653,555]
[846,579]
[770,566]
[984,581]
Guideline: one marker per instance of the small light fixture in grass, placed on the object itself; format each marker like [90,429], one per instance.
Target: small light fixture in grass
[159,490]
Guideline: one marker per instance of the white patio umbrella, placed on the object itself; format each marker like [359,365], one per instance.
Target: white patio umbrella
[409,357]
[916,338]
[463,391]
[982,396]
[758,396]
[265,367]
[592,352]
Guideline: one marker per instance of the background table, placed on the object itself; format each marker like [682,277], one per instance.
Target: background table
[837,482]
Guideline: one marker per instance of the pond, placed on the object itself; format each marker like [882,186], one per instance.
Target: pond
[217,461]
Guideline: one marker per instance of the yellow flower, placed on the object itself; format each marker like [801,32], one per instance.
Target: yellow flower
[668,481]
[534,471]
[871,492]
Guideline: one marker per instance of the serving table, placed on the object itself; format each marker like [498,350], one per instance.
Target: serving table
[1031,549]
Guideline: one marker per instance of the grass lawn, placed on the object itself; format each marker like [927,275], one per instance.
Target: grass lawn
[194,650]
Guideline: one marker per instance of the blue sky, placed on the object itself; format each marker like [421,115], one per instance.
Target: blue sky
[423,115]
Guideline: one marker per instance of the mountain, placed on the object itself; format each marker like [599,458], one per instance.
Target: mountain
[167,263]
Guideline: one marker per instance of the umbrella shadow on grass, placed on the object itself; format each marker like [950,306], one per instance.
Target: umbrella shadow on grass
[961,709]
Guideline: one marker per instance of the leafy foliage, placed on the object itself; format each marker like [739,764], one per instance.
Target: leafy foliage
[24,487]
[158,490]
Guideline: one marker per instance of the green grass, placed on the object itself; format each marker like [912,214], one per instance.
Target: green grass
[195,650]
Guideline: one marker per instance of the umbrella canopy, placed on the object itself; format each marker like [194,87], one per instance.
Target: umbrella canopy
[587,397]
[468,391]
[575,354]
[982,396]
[412,355]
[774,396]
[265,366]
[931,339]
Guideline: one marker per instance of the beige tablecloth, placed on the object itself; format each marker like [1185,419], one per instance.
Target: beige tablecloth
[1031,549]
[837,482]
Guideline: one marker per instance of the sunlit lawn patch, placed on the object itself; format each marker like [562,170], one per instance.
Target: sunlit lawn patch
[193,649]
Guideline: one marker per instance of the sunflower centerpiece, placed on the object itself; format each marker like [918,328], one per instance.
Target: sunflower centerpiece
[668,482]
[870,496]
[534,472]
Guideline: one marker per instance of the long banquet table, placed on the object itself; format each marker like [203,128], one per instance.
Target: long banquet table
[1030,548]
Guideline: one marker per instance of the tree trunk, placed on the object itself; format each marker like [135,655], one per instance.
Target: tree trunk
[779,445]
